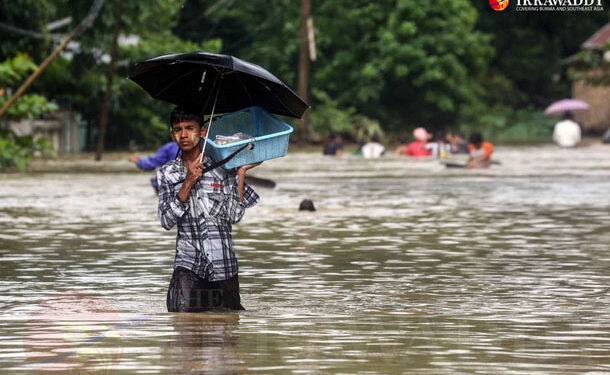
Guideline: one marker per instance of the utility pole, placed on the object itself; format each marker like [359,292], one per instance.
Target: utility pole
[104,117]
[304,68]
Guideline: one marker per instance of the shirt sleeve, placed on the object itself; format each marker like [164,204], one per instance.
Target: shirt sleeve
[237,209]
[250,196]
[170,207]
[488,147]
[161,157]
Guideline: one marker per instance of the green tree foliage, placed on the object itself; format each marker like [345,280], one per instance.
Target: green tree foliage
[591,65]
[402,62]
[527,71]
[531,51]
[397,63]
[30,15]
[438,64]
[77,78]
[12,73]
[133,114]
[430,61]
[17,151]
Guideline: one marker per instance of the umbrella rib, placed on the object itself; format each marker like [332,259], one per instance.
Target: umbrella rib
[274,94]
[245,88]
[173,83]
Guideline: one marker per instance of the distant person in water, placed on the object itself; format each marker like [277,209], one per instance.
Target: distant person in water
[358,151]
[606,139]
[403,147]
[373,149]
[335,146]
[439,148]
[164,154]
[479,152]
[307,205]
[417,148]
[567,132]
[458,143]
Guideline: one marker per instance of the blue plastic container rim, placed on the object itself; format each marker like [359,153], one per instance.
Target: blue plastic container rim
[253,139]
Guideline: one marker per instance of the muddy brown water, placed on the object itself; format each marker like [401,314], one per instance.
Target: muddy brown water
[406,267]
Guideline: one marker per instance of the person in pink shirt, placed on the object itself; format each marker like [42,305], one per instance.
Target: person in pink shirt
[417,148]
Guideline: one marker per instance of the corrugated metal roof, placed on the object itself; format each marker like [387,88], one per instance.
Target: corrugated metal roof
[597,40]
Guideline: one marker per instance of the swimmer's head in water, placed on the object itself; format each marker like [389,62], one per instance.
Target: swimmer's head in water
[476,139]
[306,205]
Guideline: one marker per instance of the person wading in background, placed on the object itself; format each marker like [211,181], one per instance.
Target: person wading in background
[374,149]
[479,152]
[164,154]
[567,132]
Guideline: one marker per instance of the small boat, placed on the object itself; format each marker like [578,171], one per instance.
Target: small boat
[451,164]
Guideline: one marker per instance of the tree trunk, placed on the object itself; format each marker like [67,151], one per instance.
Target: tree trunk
[104,117]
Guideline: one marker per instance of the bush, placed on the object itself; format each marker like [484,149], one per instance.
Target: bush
[507,125]
[327,117]
[18,151]
[13,155]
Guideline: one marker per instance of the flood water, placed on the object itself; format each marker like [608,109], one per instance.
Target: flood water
[406,267]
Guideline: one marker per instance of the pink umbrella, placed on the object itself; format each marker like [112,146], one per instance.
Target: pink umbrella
[565,105]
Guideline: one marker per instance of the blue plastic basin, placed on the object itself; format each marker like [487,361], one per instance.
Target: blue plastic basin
[269,137]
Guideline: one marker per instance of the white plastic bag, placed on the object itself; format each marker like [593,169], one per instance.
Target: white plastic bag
[224,139]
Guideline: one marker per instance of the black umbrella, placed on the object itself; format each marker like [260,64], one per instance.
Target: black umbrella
[216,84]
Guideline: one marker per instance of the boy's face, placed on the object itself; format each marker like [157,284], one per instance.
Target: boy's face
[187,134]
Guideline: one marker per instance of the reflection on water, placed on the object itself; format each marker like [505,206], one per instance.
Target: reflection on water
[406,267]
[204,343]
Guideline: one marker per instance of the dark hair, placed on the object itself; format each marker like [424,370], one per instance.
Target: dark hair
[476,138]
[568,115]
[182,114]
[375,137]
[440,135]
[306,205]
[333,135]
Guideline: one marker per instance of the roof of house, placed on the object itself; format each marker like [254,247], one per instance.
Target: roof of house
[597,40]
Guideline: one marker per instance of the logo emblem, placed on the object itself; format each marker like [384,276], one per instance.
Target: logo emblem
[498,5]
[76,332]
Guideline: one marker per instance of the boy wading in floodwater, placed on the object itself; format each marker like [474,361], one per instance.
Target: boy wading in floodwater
[204,207]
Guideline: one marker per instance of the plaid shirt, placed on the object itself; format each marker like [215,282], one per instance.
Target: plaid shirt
[203,242]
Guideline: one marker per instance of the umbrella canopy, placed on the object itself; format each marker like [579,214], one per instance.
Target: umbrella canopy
[196,79]
[565,105]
